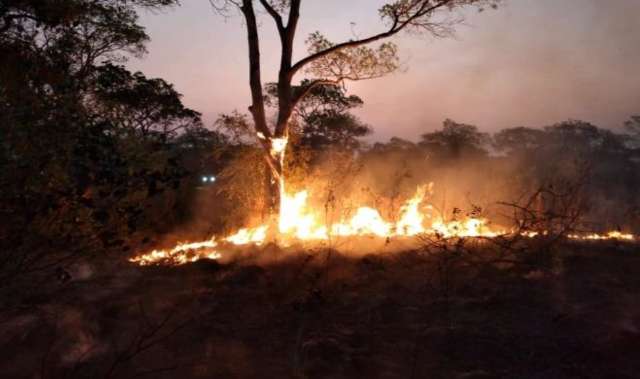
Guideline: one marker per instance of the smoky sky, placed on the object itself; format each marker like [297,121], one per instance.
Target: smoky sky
[529,63]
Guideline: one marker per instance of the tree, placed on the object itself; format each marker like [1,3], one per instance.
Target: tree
[141,105]
[633,126]
[456,140]
[519,140]
[582,138]
[327,63]
[71,178]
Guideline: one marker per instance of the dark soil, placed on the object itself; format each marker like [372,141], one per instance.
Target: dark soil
[321,315]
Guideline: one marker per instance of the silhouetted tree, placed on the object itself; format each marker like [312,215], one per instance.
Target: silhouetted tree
[520,140]
[456,140]
[138,104]
[633,125]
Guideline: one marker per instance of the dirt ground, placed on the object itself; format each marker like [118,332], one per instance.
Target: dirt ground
[324,315]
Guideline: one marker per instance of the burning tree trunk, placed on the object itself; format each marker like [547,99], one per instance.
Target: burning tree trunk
[275,164]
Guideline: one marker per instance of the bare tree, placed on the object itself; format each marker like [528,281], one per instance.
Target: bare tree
[328,63]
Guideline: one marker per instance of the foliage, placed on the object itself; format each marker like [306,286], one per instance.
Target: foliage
[352,63]
[88,149]
[323,118]
[141,105]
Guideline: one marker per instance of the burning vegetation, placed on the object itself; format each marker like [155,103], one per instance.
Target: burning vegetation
[300,223]
[312,221]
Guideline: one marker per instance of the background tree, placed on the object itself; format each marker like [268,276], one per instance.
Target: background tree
[327,63]
[141,105]
[633,125]
[455,141]
[519,140]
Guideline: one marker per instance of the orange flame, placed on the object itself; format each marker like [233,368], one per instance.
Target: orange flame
[299,222]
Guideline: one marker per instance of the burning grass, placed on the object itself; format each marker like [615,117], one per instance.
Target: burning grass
[301,224]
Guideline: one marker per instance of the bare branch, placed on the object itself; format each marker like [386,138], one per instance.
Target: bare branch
[274,14]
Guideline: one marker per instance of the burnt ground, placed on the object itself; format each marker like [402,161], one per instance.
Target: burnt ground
[314,315]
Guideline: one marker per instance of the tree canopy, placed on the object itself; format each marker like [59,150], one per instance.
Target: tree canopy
[86,145]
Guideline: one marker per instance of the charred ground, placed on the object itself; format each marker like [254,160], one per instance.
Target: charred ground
[570,313]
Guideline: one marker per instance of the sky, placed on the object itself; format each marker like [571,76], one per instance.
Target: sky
[529,63]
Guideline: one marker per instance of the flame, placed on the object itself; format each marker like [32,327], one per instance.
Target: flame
[255,236]
[278,146]
[295,220]
[366,221]
[411,220]
[619,236]
[473,227]
[181,254]
[299,222]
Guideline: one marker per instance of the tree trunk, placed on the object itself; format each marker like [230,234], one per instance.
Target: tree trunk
[275,143]
[274,190]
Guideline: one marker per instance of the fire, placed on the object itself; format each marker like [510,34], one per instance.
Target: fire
[603,237]
[278,146]
[472,227]
[295,219]
[366,221]
[300,222]
[249,236]
[410,223]
[181,254]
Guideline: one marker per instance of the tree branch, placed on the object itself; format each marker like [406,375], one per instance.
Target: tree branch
[274,14]
[397,26]
[257,108]
[294,14]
